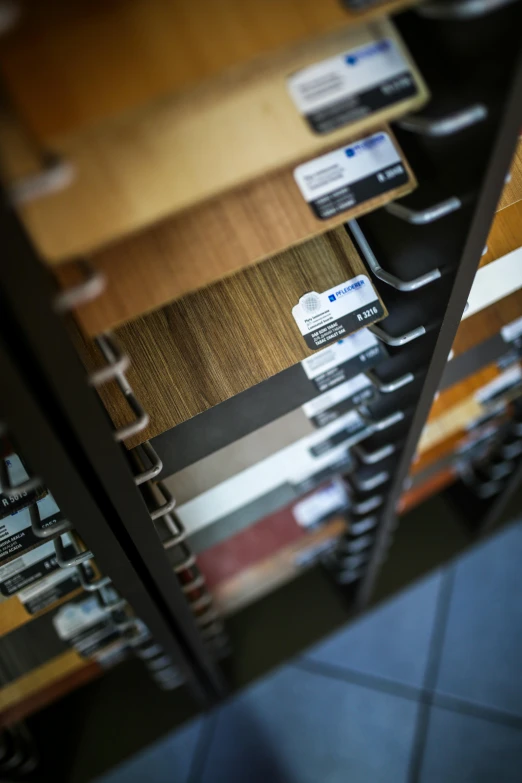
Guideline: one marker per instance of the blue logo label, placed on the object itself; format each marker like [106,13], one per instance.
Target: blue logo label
[362,146]
[367,51]
[347,289]
[331,297]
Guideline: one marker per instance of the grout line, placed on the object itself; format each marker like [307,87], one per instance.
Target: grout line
[493,714]
[202,749]
[375,682]
[430,676]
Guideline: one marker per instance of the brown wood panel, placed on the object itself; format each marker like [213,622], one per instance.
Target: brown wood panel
[487,323]
[438,451]
[513,189]
[217,342]
[13,613]
[264,577]
[50,680]
[70,64]
[505,234]
[449,423]
[144,165]
[188,251]
[460,391]
[431,486]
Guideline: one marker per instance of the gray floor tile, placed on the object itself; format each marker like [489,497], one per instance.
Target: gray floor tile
[167,761]
[392,641]
[298,727]
[482,652]
[467,749]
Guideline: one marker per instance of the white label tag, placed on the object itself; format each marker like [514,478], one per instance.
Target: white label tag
[336,395]
[350,175]
[320,504]
[44,584]
[348,348]
[31,558]
[512,330]
[504,381]
[351,85]
[324,318]
[72,618]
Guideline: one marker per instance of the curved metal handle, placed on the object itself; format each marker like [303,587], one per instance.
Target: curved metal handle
[90,288]
[117,365]
[382,274]
[366,485]
[362,526]
[167,507]
[371,457]
[50,532]
[156,464]
[365,506]
[511,450]
[348,577]
[421,217]
[149,652]
[65,562]
[500,470]
[445,126]
[56,175]
[397,342]
[91,587]
[460,9]
[381,424]
[356,544]
[488,489]
[391,386]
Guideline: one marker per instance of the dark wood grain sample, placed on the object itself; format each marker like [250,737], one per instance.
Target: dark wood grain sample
[199,246]
[217,342]
[460,391]
[513,188]
[505,234]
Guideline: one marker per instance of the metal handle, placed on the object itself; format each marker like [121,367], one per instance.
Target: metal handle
[500,470]
[348,577]
[397,342]
[50,532]
[382,274]
[460,9]
[511,450]
[381,424]
[362,526]
[97,584]
[167,507]
[445,126]
[56,175]
[391,386]
[372,457]
[117,365]
[356,544]
[65,562]
[90,288]
[366,485]
[421,217]
[156,464]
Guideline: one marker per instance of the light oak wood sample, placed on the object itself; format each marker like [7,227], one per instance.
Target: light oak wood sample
[505,234]
[142,166]
[513,189]
[190,250]
[67,65]
[42,677]
[264,577]
[450,423]
[487,323]
[13,613]
[459,391]
[217,342]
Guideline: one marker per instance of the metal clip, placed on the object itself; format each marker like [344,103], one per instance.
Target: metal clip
[97,584]
[421,217]
[382,274]
[353,545]
[460,9]
[445,126]
[381,424]
[167,507]
[106,343]
[366,485]
[391,386]
[71,562]
[56,175]
[158,662]
[372,457]
[156,464]
[51,532]
[117,365]
[362,526]
[366,506]
[396,342]
[90,288]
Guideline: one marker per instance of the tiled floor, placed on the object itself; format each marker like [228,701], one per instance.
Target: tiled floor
[426,688]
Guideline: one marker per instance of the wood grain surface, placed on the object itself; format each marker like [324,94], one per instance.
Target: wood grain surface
[513,189]
[488,322]
[264,577]
[451,422]
[505,234]
[459,391]
[188,251]
[13,613]
[70,64]
[217,342]
[144,165]
[431,486]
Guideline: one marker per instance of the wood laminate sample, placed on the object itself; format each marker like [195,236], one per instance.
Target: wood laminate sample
[513,189]
[217,342]
[429,487]
[13,613]
[144,165]
[451,422]
[188,251]
[67,65]
[460,391]
[488,322]
[505,234]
